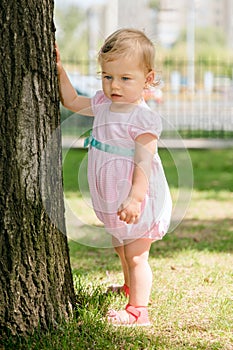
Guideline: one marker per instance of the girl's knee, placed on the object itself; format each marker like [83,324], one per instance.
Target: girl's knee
[134,260]
[137,252]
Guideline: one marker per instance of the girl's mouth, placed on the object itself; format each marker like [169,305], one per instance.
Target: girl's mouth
[115,96]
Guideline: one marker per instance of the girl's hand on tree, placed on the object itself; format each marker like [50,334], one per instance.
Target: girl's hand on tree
[58,59]
[129,211]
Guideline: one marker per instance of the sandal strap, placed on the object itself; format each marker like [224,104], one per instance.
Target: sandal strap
[133,311]
[126,290]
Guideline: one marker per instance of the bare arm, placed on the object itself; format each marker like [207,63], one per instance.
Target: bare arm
[68,95]
[129,211]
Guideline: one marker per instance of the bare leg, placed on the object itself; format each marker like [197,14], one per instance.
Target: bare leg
[136,255]
[140,275]
[121,253]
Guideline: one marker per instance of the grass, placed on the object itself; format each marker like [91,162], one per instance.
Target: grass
[192,297]
[212,169]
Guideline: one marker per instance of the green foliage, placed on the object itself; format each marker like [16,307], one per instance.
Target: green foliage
[154,4]
[210,36]
[210,43]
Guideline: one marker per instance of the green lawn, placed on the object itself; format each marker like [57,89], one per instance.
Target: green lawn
[213,169]
[192,298]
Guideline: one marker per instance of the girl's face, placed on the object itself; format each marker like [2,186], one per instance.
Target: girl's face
[123,80]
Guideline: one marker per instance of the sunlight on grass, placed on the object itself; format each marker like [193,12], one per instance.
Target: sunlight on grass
[191,302]
[192,296]
[81,208]
[210,205]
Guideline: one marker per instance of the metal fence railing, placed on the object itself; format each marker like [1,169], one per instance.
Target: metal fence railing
[206,113]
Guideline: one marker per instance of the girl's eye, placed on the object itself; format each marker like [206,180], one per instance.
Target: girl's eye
[125,78]
[107,77]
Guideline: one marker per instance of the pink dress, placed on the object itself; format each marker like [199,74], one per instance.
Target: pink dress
[110,172]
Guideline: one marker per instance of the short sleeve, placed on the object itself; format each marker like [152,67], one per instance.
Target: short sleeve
[145,121]
[98,100]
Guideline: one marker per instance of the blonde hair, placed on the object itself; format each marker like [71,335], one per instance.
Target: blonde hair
[128,42]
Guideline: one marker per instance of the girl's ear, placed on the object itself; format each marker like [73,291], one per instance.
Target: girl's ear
[150,77]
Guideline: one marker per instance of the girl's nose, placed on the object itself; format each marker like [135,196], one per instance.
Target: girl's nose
[115,84]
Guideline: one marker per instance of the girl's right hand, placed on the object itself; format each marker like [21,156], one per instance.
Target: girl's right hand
[129,211]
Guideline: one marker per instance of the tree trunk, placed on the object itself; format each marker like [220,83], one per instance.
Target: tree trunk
[36,280]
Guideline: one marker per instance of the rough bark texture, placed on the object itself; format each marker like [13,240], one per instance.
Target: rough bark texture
[36,281]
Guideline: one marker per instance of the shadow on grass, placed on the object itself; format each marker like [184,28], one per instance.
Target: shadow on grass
[200,235]
[87,330]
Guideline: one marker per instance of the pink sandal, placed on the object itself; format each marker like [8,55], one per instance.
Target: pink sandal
[119,289]
[134,316]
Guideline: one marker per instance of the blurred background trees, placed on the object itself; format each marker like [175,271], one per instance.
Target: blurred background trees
[72,32]
[76,28]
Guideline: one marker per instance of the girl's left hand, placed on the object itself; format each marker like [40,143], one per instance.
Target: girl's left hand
[129,211]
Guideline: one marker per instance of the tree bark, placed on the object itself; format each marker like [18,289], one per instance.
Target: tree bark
[36,280]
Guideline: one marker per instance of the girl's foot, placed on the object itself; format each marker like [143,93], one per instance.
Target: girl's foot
[119,289]
[131,316]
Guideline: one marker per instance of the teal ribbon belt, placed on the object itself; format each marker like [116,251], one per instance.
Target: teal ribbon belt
[91,141]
